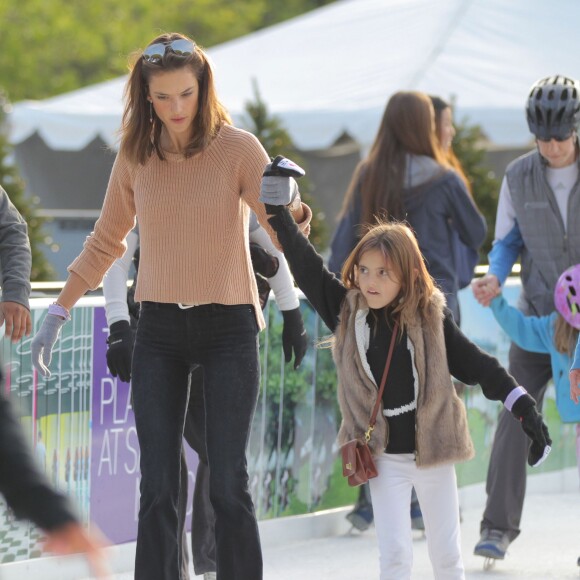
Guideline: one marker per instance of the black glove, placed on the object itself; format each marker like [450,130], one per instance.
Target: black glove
[524,409]
[263,290]
[120,350]
[294,336]
[263,262]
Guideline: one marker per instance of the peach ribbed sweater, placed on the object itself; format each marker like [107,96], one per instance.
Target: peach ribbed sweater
[193,223]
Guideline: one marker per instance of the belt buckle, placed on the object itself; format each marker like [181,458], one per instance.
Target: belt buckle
[185,306]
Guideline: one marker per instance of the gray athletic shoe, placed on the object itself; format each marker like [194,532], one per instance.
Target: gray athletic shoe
[492,544]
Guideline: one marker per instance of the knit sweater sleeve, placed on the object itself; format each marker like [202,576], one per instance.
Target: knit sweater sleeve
[471,365]
[107,241]
[252,161]
[323,290]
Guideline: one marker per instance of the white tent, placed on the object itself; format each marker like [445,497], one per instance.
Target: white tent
[334,68]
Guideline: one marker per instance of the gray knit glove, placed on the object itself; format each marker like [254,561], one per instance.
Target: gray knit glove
[43,342]
[278,185]
[278,190]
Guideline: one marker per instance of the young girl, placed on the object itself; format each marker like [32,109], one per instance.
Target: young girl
[422,429]
[555,334]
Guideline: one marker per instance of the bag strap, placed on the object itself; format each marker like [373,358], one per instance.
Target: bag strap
[383,381]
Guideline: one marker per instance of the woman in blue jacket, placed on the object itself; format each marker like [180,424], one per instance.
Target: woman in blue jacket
[407,176]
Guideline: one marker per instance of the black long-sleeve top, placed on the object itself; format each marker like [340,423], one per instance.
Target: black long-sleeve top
[466,361]
[21,482]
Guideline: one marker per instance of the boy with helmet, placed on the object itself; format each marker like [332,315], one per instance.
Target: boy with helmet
[538,202]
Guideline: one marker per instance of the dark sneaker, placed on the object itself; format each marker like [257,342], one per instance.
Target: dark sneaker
[417,522]
[361,517]
[492,544]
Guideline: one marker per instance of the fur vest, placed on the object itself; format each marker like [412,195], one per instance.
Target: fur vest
[442,434]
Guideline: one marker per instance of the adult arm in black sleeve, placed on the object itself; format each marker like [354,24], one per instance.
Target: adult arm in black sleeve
[322,289]
[22,484]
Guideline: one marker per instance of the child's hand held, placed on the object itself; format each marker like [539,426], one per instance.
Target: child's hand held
[575,385]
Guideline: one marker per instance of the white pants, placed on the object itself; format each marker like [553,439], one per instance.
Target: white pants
[436,489]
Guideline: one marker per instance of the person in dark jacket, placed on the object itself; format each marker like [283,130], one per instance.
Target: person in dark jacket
[31,497]
[407,176]
[22,484]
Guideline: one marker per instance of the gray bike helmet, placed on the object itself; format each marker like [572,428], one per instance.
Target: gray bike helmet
[553,108]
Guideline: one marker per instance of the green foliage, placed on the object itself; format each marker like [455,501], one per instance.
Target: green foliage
[468,146]
[14,186]
[52,46]
[277,141]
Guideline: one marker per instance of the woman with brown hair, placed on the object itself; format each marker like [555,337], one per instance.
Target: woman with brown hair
[190,178]
[408,176]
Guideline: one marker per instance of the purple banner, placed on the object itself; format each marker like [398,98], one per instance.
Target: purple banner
[115,453]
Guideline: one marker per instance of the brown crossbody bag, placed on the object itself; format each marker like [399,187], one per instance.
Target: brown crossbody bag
[358,464]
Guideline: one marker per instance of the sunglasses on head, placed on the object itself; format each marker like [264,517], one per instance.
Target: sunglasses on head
[154,53]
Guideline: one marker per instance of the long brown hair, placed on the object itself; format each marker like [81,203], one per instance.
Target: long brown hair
[407,126]
[565,336]
[440,105]
[139,136]
[399,246]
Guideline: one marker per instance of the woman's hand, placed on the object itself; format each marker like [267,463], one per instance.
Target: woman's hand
[278,187]
[43,342]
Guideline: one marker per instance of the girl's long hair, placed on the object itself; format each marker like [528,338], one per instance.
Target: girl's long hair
[139,136]
[407,126]
[565,336]
[399,247]
[440,105]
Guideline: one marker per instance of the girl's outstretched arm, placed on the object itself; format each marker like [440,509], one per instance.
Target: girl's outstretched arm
[532,333]
[323,290]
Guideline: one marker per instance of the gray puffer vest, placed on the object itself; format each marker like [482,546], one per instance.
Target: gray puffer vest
[548,249]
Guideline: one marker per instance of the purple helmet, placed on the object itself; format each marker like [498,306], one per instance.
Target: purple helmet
[553,107]
[567,295]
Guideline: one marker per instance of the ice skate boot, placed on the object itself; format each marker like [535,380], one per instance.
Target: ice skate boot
[361,517]
[492,546]
[417,522]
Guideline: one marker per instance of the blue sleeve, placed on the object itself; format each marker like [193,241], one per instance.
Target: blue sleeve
[346,235]
[576,363]
[504,254]
[467,219]
[531,333]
